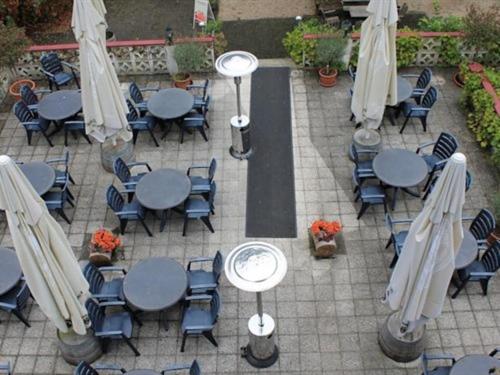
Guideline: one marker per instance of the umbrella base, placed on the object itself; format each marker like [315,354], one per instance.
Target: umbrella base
[367,139]
[76,348]
[110,152]
[403,349]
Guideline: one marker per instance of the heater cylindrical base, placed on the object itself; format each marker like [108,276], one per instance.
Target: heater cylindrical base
[261,351]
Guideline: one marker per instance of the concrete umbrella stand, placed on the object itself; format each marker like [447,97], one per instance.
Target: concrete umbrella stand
[76,348]
[257,267]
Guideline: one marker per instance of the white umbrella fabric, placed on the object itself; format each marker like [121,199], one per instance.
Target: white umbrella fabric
[375,85]
[104,106]
[47,260]
[423,272]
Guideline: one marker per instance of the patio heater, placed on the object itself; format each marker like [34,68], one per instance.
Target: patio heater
[236,64]
[257,267]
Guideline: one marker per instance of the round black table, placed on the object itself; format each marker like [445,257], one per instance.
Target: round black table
[401,169]
[467,252]
[41,175]
[163,189]
[10,270]
[155,284]
[142,372]
[60,105]
[169,104]
[475,364]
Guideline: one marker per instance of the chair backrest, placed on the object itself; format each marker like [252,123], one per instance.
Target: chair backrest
[351,70]
[445,146]
[121,170]
[205,88]
[195,368]
[115,199]
[482,225]
[84,368]
[468,180]
[429,98]
[135,93]
[211,169]
[28,96]
[132,112]
[215,306]
[22,295]
[424,79]
[51,63]
[22,112]
[94,277]
[491,257]
[96,314]
[218,265]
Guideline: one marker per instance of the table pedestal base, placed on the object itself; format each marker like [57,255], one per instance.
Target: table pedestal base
[405,348]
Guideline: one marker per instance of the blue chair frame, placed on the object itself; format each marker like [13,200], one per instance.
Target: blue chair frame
[397,239]
[83,368]
[123,171]
[420,111]
[53,68]
[201,281]
[201,184]
[136,94]
[423,81]
[140,123]
[31,123]
[15,300]
[55,200]
[200,209]
[194,368]
[440,370]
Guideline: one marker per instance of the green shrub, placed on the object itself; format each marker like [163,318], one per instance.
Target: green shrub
[496,206]
[407,48]
[295,44]
[189,57]
[214,27]
[13,43]
[482,33]
[329,53]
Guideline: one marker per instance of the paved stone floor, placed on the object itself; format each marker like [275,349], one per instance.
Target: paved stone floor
[327,311]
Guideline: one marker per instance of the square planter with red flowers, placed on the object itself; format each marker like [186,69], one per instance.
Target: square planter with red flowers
[323,237]
[103,246]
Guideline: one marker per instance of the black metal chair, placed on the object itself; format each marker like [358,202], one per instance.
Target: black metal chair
[423,81]
[136,94]
[140,124]
[122,170]
[445,146]
[15,301]
[369,195]
[31,123]
[113,326]
[480,270]
[200,209]
[397,238]
[56,199]
[439,370]
[126,211]
[53,68]
[201,184]
[83,368]
[194,368]
[201,281]
[482,225]
[420,111]
[197,321]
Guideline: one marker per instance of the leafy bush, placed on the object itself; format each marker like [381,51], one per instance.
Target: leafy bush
[496,206]
[189,57]
[407,48]
[214,27]
[482,118]
[295,44]
[13,43]
[482,33]
[329,53]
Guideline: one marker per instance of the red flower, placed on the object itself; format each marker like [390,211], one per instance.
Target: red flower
[105,240]
[325,230]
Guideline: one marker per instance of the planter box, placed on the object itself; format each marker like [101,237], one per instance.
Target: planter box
[322,249]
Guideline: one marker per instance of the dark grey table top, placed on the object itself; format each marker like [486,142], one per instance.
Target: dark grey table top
[41,175]
[10,270]
[142,372]
[467,252]
[163,189]
[475,364]
[399,168]
[60,105]
[155,284]
[405,89]
[169,104]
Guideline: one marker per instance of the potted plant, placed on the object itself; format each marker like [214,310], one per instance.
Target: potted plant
[103,247]
[495,235]
[190,58]
[13,43]
[323,237]
[329,54]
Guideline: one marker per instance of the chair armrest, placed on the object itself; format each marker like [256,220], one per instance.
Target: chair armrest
[482,274]
[482,242]
[126,213]
[400,221]
[494,351]
[130,183]
[139,122]
[193,119]
[146,89]
[112,268]
[42,91]
[137,163]
[69,65]
[49,74]
[423,145]
[199,260]
[7,305]
[419,91]
[420,109]
[175,368]
[127,191]
[468,218]
[31,123]
[195,87]
[361,151]
[108,333]
[205,286]
[99,296]
[55,161]
[75,122]
[199,297]
[410,75]
[111,303]
[109,366]
[51,202]
[439,356]
[196,211]
[373,196]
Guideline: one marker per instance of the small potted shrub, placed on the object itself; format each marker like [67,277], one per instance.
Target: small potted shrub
[103,247]
[323,237]
[13,44]
[329,54]
[495,235]
[189,58]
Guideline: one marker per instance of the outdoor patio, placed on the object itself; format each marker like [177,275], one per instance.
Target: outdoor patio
[327,311]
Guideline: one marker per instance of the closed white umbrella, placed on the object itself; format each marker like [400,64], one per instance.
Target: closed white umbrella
[423,272]
[376,75]
[47,260]
[104,106]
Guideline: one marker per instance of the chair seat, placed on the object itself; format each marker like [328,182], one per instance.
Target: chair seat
[56,197]
[10,298]
[199,277]
[431,161]
[133,206]
[196,208]
[399,240]
[199,184]
[150,123]
[62,78]
[475,266]
[121,321]
[196,317]
[197,120]
[367,190]
[41,123]
[408,107]
[114,287]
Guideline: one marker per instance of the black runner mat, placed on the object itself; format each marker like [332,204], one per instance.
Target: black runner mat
[270,184]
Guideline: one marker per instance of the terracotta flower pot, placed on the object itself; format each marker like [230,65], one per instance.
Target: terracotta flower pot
[100,258]
[15,87]
[182,80]
[323,249]
[494,236]
[458,79]
[328,80]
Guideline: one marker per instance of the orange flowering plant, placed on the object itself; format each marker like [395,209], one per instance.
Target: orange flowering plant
[325,230]
[104,240]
